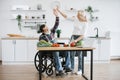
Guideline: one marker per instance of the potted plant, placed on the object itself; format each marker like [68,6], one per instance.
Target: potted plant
[58,33]
[19,19]
[91,11]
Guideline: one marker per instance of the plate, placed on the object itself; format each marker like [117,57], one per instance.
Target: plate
[54,4]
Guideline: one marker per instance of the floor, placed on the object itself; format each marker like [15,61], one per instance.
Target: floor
[104,71]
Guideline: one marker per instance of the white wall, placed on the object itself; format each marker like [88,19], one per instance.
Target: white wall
[108,17]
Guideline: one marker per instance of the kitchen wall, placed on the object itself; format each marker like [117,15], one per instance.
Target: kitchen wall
[108,13]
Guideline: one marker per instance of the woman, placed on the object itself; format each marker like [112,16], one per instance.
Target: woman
[50,38]
[80,27]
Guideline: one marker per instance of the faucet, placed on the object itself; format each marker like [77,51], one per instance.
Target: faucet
[97,31]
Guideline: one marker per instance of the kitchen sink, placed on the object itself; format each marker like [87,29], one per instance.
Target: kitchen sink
[101,37]
[92,37]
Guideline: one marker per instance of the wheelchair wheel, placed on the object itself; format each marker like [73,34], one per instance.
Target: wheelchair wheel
[49,68]
[36,62]
[49,71]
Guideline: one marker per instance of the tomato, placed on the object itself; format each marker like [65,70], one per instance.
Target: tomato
[55,45]
[72,44]
[66,45]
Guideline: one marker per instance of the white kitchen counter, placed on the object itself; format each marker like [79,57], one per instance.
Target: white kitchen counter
[36,38]
[101,38]
[17,50]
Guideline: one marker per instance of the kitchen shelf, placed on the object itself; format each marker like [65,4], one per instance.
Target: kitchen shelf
[74,10]
[30,10]
[35,22]
[31,18]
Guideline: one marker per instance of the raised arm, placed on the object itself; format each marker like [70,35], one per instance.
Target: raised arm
[56,23]
[78,39]
[63,14]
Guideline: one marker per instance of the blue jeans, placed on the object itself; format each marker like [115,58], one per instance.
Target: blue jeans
[58,64]
[78,53]
[72,56]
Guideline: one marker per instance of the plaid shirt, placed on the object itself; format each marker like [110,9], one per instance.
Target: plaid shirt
[50,37]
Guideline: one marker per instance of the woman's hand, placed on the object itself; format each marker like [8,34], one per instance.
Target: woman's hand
[75,41]
[81,17]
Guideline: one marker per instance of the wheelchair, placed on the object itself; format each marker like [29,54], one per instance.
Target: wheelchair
[48,64]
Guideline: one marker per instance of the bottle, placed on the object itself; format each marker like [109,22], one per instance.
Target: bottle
[43,16]
[39,7]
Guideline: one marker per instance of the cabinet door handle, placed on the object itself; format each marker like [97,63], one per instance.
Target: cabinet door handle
[14,41]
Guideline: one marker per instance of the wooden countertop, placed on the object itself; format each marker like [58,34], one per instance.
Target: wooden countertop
[63,48]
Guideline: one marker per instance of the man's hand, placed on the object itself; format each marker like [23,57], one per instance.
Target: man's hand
[55,12]
[57,8]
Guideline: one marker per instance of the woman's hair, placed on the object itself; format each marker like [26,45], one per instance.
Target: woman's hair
[41,28]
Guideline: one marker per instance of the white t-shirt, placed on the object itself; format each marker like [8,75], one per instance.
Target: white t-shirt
[80,28]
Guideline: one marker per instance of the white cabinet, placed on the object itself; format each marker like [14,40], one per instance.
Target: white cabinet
[32,49]
[8,50]
[95,52]
[20,50]
[104,53]
[14,50]
[101,52]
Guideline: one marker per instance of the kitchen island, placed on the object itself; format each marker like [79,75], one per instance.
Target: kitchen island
[84,51]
